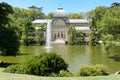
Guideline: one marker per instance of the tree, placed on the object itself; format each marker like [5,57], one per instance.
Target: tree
[5,10]
[71,35]
[109,28]
[110,23]
[40,34]
[97,16]
[115,4]
[9,40]
[27,32]
[89,14]
[23,22]
[50,15]
[80,37]
[36,8]
[32,14]
[35,13]
[75,16]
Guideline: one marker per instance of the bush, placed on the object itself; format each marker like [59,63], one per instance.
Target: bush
[16,68]
[43,65]
[113,50]
[93,70]
[62,73]
[12,68]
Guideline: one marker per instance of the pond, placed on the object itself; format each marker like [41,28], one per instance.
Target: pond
[74,55]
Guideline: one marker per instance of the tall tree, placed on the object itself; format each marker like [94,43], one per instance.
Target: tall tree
[23,17]
[9,40]
[35,8]
[97,16]
[110,23]
[27,32]
[109,28]
[36,12]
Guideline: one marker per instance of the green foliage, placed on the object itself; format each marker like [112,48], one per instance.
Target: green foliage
[12,68]
[89,14]
[75,37]
[22,20]
[75,16]
[109,28]
[28,41]
[5,10]
[97,15]
[9,41]
[17,68]
[95,70]
[113,50]
[32,14]
[115,4]
[27,32]
[94,38]
[71,33]
[50,16]
[110,23]
[94,23]
[44,65]
[106,22]
[62,73]
[80,37]
[40,39]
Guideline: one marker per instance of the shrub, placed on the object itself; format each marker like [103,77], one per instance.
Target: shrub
[62,73]
[113,50]
[21,69]
[45,64]
[93,70]
[17,68]
[12,68]
[65,73]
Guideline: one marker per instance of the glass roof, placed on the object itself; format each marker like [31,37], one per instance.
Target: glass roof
[60,13]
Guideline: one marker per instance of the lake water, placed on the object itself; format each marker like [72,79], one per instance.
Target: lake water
[75,56]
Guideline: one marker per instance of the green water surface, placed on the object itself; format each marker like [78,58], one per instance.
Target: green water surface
[74,55]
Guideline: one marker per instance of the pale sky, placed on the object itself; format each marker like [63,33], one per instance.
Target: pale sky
[75,6]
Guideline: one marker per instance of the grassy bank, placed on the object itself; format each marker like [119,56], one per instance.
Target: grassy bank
[10,76]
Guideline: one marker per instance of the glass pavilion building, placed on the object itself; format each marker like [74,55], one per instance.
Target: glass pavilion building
[60,24]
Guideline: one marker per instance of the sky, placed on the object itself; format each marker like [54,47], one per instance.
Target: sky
[70,6]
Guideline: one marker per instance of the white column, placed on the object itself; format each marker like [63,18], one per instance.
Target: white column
[60,34]
[66,35]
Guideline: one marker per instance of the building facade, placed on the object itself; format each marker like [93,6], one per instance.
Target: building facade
[60,24]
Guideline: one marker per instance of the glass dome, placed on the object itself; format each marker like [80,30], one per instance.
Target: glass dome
[60,13]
